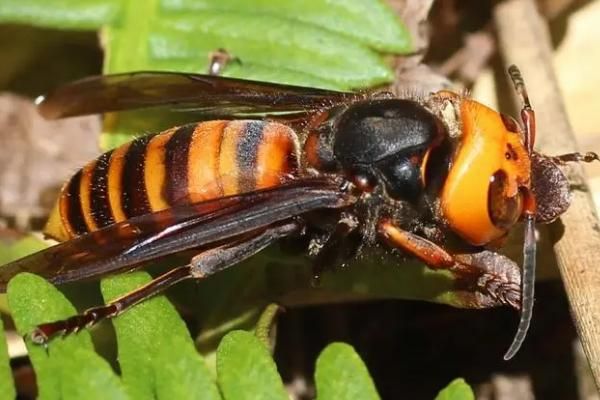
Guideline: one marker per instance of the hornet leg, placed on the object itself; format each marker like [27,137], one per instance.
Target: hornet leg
[338,248]
[201,266]
[469,268]
[576,157]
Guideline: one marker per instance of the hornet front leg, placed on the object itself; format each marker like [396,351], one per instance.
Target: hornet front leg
[478,271]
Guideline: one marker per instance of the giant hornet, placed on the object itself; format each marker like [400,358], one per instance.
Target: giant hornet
[441,178]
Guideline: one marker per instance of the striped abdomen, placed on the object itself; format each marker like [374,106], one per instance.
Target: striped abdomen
[190,163]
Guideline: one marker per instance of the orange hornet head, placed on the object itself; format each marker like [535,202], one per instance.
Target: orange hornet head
[488,187]
[483,195]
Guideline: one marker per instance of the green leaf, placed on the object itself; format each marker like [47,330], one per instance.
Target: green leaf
[318,42]
[85,375]
[14,250]
[265,44]
[340,374]
[269,41]
[7,387]
[20,248]
[156,353]
[246,370]
[368,22]
[69,367]
[61,14]
[458,389]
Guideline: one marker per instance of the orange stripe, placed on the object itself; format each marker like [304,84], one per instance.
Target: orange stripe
[63,206]
[85,187]
[203,161]
[279,145]
[115,189]
[155,170]
[228,165]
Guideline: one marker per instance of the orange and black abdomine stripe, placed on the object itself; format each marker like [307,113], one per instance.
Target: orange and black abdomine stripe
[190,163]
[100,209]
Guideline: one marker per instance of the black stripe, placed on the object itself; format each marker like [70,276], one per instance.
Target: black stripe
[134,198]
[74,209]
[177,152]
[247,154]
[99,201]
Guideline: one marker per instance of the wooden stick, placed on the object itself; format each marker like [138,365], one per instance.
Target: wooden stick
[525,41]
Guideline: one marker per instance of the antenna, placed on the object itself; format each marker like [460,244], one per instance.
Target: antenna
[529,245]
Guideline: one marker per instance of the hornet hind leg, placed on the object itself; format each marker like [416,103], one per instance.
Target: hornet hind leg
[201,266]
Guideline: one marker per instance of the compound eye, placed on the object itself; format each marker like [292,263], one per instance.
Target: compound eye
[504,211]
